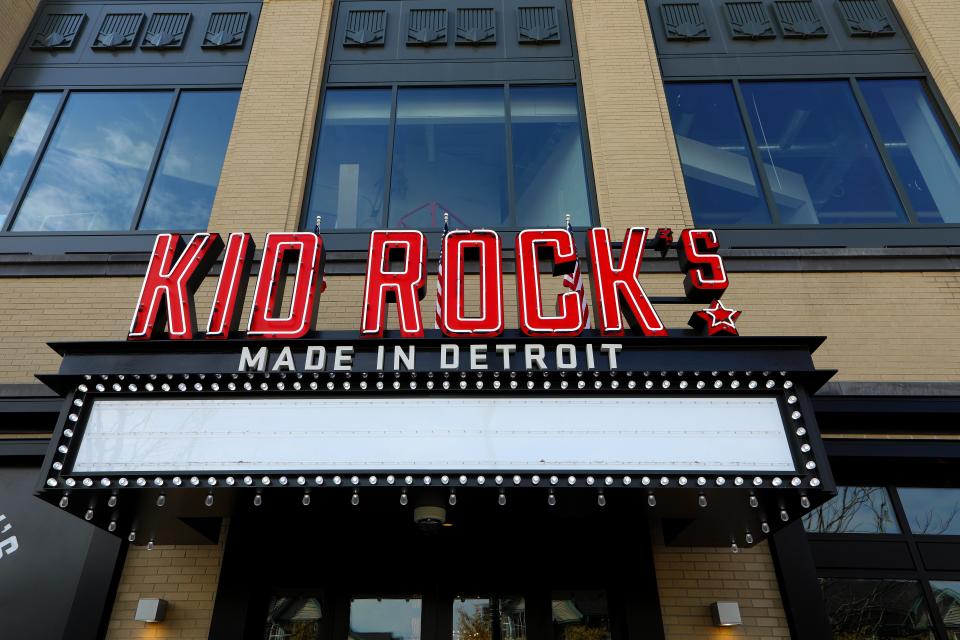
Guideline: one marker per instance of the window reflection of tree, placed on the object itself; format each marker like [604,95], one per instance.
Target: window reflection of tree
[876,610]
[854,509]
[507,615]
[934,520]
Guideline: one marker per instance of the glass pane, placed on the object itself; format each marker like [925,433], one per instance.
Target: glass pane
[449,155]
[181,195]
[932,511]
[476,618]
[947,595]
[876,609]
[582,615]
[919,146]
[351,160]
[822,164]
[93,171]
[385,619]
[854,510]
[549,179]
[718,170]
[293,619]
[24,119]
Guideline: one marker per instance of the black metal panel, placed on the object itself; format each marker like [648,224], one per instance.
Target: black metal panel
[58,31]
[866,18]
[749,21]
[860,552]
[816,39]
[142,45]
[799,19]
[684,21]
[427,28]
[166,31]
[940,556]
[365,28]
[539,47]
[538,25]
[226,30]
[476,26]
[118,31]
[799,588]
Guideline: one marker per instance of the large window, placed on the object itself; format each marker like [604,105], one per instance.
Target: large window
[902,582]
[114,160]
[505,156]
[870,152]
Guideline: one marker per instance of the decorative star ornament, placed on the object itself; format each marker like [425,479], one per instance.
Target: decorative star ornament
[716,320]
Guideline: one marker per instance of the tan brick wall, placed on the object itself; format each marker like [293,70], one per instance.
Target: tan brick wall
[16,16]
[186,576]
[690,579]
[262,182]
[635,162]
[934,26]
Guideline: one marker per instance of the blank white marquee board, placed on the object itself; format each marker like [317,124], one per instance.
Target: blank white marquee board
[728,434]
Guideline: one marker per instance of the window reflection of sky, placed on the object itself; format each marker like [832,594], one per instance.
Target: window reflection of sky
[183,189]
[385,619]
[24,119]
[95,166]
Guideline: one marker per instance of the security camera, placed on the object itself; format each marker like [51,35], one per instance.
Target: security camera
[429,519]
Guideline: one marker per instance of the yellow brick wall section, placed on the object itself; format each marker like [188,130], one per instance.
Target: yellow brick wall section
[690,579]
[186,576]
[15,17]
[262,182]
[934,26]
[878,325]
[635,161]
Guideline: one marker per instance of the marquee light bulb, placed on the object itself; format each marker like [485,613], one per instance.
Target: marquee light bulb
[551,499]
[702,500]
[403,498]
[453,497]
[652,500]
[601,499]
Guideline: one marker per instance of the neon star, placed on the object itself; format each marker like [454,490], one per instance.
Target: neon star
[716,319]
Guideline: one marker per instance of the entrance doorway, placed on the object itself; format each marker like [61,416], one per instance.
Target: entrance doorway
[526,570]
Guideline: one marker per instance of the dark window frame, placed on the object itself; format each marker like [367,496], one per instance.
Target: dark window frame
[942,113]
[307,223]
[920,573]
[6,230]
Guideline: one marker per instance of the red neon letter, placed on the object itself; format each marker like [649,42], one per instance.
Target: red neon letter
[615,287]
[453,319]
[706,278]
[405,287]
[559,246]
[174,282]
[264,322]
[231,287]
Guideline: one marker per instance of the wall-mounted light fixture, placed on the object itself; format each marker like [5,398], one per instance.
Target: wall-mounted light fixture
[726,614]
[151,610]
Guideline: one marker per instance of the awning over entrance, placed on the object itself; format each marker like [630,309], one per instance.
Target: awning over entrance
[714,439]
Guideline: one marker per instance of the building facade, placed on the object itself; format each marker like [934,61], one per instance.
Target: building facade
[817,138]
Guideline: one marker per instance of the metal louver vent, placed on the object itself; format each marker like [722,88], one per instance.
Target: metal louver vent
[866,18]
[118,31]
[166,31]
[226,30]
[58,31]
[749,21]
[366,28]
[427,27]
[684,21]
[799,19]
[538,25]
[476,26]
